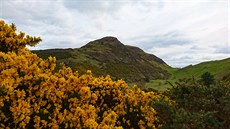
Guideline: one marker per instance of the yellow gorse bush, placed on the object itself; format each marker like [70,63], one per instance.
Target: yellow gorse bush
[11,41]
[32,95]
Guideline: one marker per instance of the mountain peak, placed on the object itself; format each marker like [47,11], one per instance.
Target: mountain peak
[110,48]
[109,38]
[105,41]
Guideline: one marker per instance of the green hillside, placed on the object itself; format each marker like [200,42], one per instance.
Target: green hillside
[218,68]
[109,56]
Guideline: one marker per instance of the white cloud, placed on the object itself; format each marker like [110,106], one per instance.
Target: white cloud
[181,32]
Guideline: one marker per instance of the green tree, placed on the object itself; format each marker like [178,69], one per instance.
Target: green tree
[207,78]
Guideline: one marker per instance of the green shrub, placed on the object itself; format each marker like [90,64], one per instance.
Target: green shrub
[199,106]
[207,78]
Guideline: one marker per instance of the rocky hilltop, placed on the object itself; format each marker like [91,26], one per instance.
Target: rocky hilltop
[109,56]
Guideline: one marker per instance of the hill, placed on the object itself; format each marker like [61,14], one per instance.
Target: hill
[219,68]
[109,56]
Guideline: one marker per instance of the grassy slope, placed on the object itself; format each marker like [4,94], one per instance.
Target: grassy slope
[104,57]
[219,69]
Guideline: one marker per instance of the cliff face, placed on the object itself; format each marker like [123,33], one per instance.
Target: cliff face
[109,56]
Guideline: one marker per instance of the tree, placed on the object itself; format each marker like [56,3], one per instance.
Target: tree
[207,78]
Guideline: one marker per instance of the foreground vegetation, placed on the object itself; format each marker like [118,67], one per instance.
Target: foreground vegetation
[34,94]
[198,106]
[202,101]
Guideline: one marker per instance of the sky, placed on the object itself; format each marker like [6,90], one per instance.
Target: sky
[181,32]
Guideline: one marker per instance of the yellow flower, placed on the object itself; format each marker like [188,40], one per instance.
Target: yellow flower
[85,92]
[27,119]
[36,119]
[22,124]
[44,123]
[94,96]
[91,123]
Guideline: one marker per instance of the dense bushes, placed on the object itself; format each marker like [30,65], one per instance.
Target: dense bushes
[33,95]
[198,105]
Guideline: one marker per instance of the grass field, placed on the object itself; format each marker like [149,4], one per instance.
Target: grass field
[160,85]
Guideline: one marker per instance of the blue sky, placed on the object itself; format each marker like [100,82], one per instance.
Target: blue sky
[181,32]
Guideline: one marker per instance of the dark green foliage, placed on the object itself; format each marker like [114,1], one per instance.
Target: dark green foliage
[226,77]
[207,78]
[165,112]
[199,106]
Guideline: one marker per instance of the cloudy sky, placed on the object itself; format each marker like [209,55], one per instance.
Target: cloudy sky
[181,32]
